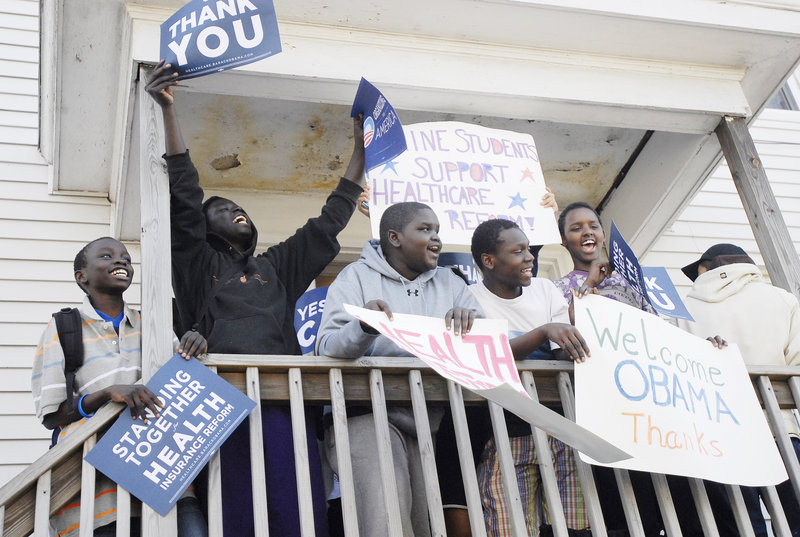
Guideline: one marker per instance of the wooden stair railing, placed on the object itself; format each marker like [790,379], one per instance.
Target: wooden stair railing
[49,482]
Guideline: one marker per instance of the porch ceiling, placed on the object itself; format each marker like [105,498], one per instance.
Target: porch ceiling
[295,147]
[586,83]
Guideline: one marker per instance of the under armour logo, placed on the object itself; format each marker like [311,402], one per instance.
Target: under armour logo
[416,292]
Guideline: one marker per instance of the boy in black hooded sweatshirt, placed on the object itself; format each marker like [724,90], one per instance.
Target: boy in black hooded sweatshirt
[242,303]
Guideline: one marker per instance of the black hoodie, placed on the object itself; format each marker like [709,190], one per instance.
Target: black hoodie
[243,303]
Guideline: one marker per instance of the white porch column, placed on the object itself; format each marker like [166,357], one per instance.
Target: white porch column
[156,282]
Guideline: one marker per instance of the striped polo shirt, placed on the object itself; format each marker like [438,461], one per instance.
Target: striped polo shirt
[108,359]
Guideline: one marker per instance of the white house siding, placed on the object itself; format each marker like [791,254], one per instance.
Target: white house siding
[716,215]
[40,233]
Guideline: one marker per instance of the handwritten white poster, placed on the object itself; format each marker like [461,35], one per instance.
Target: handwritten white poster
[670,399]
[467,174]
[482,361]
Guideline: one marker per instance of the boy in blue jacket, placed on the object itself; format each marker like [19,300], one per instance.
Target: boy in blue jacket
[398,273]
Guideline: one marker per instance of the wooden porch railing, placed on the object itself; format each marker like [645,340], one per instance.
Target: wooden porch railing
[28,500]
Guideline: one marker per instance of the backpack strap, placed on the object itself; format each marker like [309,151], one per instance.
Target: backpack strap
[70,334]
[54,437]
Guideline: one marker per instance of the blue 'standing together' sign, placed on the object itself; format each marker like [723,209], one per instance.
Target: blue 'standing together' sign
[624,260]
[158,461]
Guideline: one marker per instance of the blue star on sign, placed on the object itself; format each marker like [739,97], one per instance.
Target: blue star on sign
[390,165]
[518,200]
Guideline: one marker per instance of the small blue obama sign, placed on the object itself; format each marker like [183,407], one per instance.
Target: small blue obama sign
[384,138]
[158,461]
[206,36]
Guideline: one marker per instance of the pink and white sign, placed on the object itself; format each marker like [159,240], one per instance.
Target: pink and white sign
[482,362]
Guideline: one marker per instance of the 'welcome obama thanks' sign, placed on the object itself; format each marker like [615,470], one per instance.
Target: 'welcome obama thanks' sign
[670,399]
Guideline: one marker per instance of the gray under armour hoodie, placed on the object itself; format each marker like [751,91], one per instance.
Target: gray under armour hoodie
[432,293]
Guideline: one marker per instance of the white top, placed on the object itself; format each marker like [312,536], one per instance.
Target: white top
[540,303]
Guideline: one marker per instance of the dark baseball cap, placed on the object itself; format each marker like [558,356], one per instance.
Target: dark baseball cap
[713,252]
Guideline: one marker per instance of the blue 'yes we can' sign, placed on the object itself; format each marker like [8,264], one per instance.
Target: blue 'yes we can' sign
[206,36]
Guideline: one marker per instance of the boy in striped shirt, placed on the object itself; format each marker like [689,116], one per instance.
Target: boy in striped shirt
[112,364]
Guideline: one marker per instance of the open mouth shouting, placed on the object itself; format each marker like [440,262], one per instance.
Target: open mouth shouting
[588,245]
[120,273]
[240,219]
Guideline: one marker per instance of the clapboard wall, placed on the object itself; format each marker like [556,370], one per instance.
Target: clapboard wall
[716,215]
[40,233]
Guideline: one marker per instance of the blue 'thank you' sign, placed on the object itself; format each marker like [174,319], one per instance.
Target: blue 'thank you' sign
[307,316]
[208,36]
[383,134]
[662,294]
[158,461]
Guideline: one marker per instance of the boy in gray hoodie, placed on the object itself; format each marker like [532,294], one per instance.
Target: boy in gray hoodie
[397,273]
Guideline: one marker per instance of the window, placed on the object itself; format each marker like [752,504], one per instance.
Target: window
[783,100]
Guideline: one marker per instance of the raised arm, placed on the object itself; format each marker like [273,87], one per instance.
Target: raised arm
[355,168]
[549,200]
[300,258]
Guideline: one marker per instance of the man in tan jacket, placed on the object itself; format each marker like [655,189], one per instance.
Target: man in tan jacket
[730,297]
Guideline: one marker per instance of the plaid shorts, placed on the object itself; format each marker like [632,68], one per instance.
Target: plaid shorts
[495,510]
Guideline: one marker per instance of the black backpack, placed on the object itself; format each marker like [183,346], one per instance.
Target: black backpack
[70,335]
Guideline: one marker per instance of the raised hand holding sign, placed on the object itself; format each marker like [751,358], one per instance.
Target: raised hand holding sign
[206,37]
[383,133]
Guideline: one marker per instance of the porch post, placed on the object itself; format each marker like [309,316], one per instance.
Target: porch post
[155,244]
[759,204]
